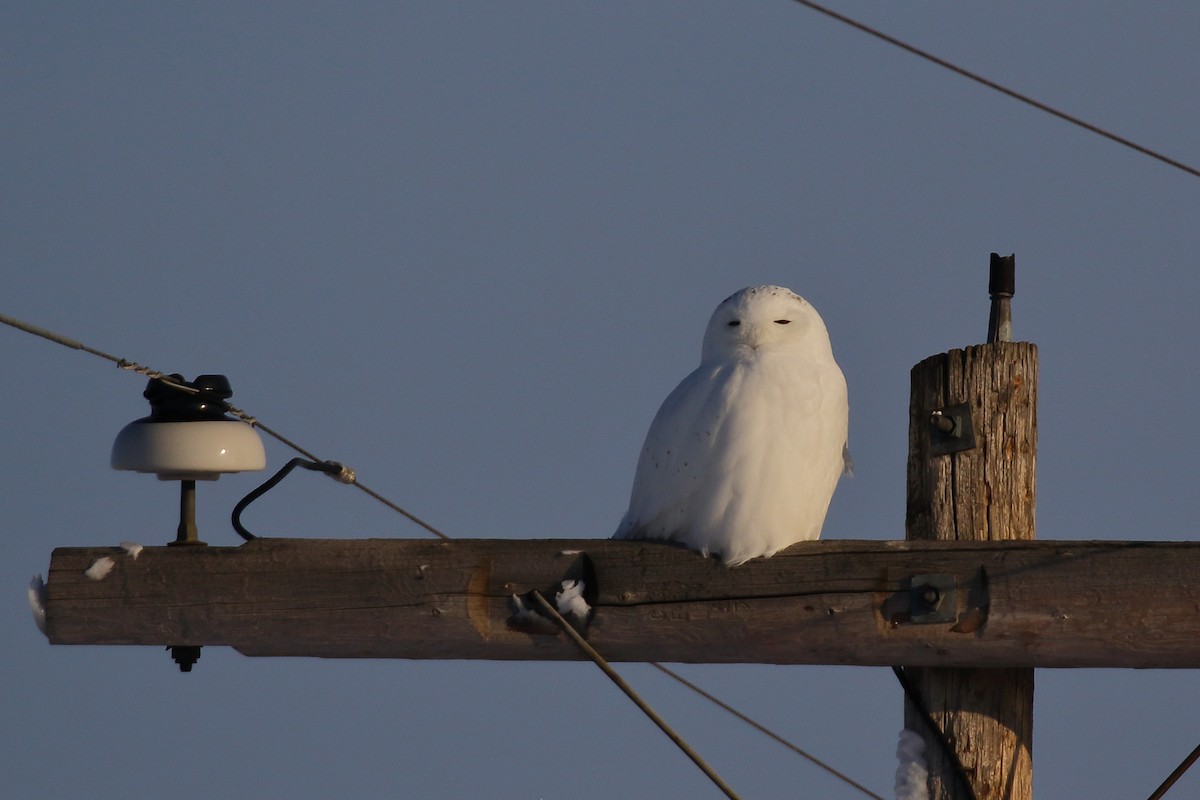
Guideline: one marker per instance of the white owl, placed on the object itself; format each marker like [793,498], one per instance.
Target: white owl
[743,457]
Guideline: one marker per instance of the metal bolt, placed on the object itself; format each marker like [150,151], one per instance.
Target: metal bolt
[942,422]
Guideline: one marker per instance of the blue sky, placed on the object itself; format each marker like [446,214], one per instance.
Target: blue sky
[468,248]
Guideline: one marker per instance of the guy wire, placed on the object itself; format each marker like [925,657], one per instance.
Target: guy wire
[629,691]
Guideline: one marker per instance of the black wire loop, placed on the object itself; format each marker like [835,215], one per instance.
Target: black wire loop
[331,468]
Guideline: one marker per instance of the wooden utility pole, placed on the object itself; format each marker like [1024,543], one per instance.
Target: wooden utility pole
[1017,603]
[971,478]
[969,602]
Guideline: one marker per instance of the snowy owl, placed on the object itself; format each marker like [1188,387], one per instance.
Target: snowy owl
[743,457]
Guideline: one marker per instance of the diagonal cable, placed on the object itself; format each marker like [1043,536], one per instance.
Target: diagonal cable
[765,730]
[629,691]
[1040,106]
[1177,774]
[344,475]
[956,766]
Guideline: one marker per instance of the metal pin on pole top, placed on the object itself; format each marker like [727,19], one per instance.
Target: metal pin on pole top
[1001,286]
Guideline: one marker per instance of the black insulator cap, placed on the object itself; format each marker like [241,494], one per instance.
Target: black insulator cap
[185,656]
[1002,279]
[169,403]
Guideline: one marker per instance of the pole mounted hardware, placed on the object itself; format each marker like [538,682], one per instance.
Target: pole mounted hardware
[932,598]
[950,430]
[188,438]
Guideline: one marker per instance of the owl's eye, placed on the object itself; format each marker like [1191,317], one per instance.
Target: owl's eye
[733,323]
[782,321]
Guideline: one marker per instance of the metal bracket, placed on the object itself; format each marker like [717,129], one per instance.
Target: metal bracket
[932,598]
[950,430]
[938,598]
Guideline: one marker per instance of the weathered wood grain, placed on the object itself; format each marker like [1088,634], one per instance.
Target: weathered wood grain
[982,493]
[1019,604]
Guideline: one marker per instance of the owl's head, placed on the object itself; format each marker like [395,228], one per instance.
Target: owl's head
[760,319]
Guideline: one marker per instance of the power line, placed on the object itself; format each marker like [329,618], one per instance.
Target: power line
[346,475]
[951,755]
[612,674]
[941,62]
[1177,774]
[343,475]
[763,729]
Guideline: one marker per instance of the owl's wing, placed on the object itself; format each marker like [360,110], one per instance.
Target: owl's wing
[670,470]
